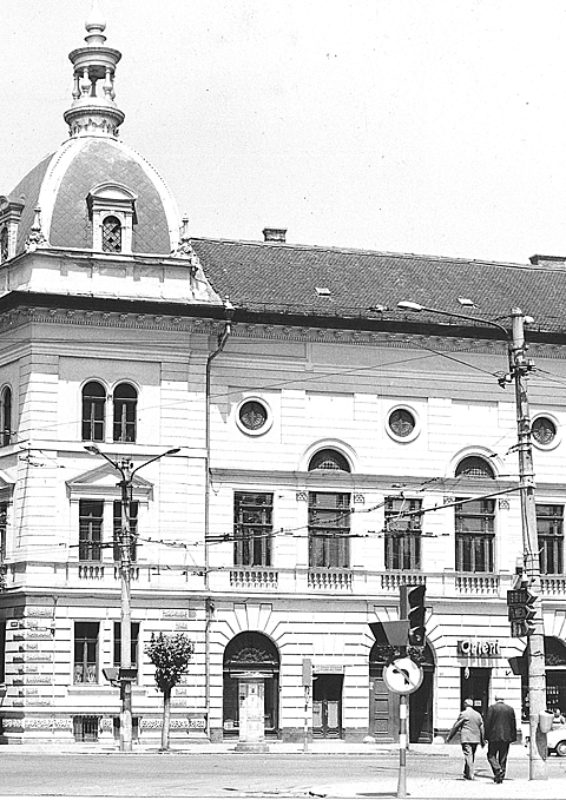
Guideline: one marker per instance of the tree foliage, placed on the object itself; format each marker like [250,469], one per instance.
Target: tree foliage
[171,655]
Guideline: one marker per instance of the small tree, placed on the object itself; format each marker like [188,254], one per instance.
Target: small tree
[170,654]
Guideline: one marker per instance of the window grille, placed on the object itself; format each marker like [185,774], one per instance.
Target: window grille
[550,529]
[329,459]
[85,728]
[86,653]
[474,467]
[402,534]
[125,411]
[111,235]
[329,529]
[253,527]
[134,506]
[475,535]
[90,529]
[94,404]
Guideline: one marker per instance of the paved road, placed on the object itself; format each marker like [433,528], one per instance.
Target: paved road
[226,775]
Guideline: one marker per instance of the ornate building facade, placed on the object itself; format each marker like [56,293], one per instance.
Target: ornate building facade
[332,448]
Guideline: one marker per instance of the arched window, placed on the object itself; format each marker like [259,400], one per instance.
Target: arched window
[111,235]
[329,459]
[6,416]
[3,244]
[94,405]
[474,467]
[125,412]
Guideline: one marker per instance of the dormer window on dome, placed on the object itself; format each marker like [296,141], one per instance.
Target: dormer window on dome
[10,213]
[112,210]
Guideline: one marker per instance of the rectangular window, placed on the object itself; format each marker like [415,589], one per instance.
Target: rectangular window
[135,634]
[550,529]
[402,533]
[86,653]
[329,529]
[475,535]
[118,529]
[90,529]
[2,650]
[253,528]
[85,728]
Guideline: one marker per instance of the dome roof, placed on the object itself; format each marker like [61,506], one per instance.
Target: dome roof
[61,184]
[94,192]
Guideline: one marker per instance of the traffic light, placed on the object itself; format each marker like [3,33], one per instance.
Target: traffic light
[521,611]
[416,615]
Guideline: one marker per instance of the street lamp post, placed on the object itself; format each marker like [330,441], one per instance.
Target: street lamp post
[126,673]
[519,367]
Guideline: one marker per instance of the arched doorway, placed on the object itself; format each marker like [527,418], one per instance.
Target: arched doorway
[250,652]
[555,661]
[384,705]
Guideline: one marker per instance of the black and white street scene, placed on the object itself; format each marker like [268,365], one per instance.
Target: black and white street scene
[282,398]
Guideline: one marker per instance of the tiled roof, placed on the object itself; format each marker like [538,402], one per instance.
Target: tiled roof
[101,160]
[95,161]
[28,188]
[283,278]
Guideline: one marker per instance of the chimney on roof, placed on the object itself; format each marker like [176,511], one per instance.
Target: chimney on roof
[275,235]
[548,261]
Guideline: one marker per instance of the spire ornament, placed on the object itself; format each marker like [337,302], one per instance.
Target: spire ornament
[185,249]
[93,111]
[35,237]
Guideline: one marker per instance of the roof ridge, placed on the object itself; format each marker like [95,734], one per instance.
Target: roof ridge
[366,251]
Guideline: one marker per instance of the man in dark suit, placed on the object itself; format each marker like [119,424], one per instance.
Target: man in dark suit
[500,731]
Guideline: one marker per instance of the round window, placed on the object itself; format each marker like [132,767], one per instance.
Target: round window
[544,431]
[402,424]
[253,416]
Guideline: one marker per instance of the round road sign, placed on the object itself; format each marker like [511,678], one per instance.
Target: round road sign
[403,676]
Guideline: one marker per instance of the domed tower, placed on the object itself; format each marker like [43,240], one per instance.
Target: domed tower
[94,193]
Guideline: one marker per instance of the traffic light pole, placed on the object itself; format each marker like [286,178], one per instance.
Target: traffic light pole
[535,641]
[519,368]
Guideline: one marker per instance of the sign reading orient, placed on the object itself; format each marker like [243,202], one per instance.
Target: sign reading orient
[403,676]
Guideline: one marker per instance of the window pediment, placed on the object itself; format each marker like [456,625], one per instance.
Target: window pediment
[112,201]
[102,482]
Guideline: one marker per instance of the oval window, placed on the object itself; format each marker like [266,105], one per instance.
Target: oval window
[253,416]
[543,431]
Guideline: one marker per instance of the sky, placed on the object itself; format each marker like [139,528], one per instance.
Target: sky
[416,126]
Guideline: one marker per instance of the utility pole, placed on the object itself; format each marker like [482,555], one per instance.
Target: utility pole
[127,673]
[125,676]
[519,367]
[535,641]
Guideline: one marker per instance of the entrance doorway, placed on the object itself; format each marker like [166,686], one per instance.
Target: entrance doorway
[474,684]
[251,652]
[327,706]
[384,705]
[555,667]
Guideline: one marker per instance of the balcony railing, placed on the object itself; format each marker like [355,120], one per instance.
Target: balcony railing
[553,584]
[477,583]
[254,578]
[330,579]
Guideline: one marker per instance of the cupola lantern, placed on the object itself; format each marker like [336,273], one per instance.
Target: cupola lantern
[93,111]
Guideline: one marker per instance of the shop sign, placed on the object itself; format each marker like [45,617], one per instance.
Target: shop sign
[479,648]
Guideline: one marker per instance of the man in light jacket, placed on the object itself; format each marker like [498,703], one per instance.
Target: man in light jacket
[500,731]
[470,725]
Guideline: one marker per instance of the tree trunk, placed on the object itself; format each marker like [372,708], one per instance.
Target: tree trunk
[166,719]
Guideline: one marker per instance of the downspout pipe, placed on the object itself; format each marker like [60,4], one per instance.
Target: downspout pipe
[208,605]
